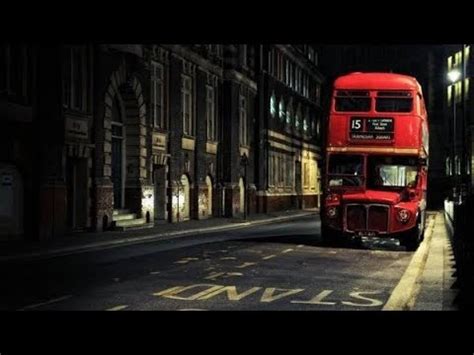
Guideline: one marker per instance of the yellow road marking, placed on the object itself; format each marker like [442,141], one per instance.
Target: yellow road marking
[231,292]
[174,291]
[373,302]
[155,272]
[300,246]
[228,258]
[318,299]
[287,250]
[192,309]
[404,295]
[45,303]
[214,275]
[244,265]
[269,257]
[117,308]
[269,293]
[185,260]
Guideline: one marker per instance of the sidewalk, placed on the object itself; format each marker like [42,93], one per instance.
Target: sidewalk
[427,282]
[436,282]
[87,241]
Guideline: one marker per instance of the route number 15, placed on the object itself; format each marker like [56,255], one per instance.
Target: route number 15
[356,124]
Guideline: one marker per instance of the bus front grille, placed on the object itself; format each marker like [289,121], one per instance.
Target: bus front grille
[367,217]
[356,217]
[378,218]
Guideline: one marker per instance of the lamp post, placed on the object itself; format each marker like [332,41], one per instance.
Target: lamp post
[178,193]
[454,76]
[244,162]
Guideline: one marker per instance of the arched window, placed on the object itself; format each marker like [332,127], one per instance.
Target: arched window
[282,110]
[298,122]
[273,105]
[289,113]
[457,165]
[306,121]
[448,166]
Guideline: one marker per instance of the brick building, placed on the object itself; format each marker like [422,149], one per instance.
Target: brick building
[115,136]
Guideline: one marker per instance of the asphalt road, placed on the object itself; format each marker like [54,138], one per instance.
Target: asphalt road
[281,266]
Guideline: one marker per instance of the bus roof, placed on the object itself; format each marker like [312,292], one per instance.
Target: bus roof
[377,81]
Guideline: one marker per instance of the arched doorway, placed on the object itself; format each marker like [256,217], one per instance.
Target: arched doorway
[209,196]
[160,186]
[242,195]
[183,199]
[118,156]
[11,201]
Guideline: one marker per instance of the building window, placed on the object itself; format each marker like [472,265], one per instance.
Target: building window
[457,165]
[15,65]
[289,113]
[298,123]
[243,120]
[292,68]
[281,166]
[318,93]
[211,113]
[75,78]
[243,55]
[449,94]
[271,171]
[157,94]
[305,122]
[187,105]
[305,175]
[282,110]
[448,166]
[271,62]
[289,172]
[273,105]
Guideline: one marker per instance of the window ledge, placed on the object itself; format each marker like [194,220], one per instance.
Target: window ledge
[211,147]
[188,143]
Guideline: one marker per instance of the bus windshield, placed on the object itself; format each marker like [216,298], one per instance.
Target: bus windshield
[345,170]
[392,172]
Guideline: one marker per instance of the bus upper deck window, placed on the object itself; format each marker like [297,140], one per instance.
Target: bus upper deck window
[352,101]
[394,101]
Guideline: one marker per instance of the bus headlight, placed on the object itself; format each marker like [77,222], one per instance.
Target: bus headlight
[403,215]
[331,212]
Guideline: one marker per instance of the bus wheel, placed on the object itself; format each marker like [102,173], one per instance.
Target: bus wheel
[328,236]
[413,238]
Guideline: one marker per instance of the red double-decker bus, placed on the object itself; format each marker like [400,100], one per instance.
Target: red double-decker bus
[376,159]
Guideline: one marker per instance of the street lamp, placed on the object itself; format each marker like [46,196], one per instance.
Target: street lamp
[453,76]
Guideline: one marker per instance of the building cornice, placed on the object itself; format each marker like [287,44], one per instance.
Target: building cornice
[234,75]
[188,54]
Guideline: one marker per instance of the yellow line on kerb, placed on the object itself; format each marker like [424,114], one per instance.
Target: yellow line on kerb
[404,295]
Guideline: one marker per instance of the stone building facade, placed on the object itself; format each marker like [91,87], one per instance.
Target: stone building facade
[100,136]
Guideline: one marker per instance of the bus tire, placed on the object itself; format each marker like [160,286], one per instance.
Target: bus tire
[328,236]
[413,238]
